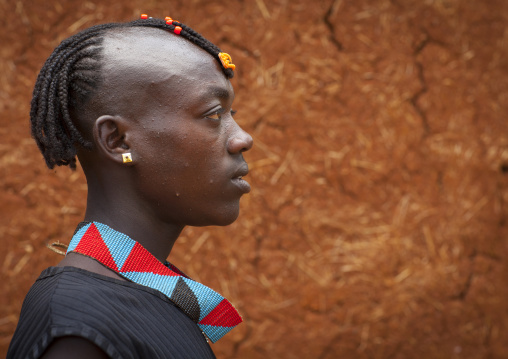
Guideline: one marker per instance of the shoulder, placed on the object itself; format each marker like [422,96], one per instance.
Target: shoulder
[56,308]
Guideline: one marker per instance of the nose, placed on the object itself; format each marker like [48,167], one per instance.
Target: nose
[240,141]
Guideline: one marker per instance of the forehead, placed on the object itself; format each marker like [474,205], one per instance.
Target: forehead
[137,46]
[138,60]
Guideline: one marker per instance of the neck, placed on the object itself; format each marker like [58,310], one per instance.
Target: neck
[119,209]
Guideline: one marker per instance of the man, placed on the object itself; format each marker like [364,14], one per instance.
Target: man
[147,108]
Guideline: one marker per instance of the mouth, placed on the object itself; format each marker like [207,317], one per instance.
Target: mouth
[238,180]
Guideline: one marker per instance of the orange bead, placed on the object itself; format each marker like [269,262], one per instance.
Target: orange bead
[226,61]
[169,22]
[177,30]
[168,18]
[144,16]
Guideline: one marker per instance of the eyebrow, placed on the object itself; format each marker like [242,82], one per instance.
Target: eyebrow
[213,92]
[220,92]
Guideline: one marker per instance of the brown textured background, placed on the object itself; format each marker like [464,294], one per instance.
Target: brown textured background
[376,227]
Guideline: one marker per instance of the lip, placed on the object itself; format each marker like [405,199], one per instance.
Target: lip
[237,179]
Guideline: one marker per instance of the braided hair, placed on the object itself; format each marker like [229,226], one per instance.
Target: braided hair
[69,78]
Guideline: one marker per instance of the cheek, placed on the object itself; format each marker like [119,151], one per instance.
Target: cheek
[187,154]
[193,166]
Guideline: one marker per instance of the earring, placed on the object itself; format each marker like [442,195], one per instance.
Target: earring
[127,157]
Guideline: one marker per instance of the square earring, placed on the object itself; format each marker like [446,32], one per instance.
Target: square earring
[126,157]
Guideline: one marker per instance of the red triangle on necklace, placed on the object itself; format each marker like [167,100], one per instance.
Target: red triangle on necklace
[137,261]
[93,245]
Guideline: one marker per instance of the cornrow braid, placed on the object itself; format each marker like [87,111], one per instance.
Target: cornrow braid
[70,76]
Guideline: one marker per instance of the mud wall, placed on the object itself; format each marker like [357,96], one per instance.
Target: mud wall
[376,227]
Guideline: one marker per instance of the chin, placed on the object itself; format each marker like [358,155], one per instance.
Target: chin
[223,219]
[227,222]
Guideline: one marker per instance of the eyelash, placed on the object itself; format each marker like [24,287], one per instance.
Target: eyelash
[219,115]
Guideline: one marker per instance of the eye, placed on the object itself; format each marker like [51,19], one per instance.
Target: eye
[233,113]
[217,116]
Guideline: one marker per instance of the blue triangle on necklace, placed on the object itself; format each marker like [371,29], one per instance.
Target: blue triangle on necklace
[119,244]
[162,283]
[80,232]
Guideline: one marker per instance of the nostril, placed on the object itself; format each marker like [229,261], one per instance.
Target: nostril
[249,142]
[240,141]
[240,144]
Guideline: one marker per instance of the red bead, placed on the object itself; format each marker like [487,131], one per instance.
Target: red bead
[169,22]
[144,16]
[177,30]
[168,18]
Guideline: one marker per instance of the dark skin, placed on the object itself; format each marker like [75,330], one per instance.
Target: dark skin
[176,120]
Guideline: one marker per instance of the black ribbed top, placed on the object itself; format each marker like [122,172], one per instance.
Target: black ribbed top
[124,319]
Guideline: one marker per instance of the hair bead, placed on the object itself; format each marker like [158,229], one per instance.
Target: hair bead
[225,59]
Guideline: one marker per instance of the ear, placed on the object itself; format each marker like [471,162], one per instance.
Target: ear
[112,137]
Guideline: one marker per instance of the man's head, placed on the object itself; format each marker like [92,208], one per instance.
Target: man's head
[71,76]
[164,100]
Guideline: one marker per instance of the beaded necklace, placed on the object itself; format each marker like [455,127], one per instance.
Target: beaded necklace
[213,314]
